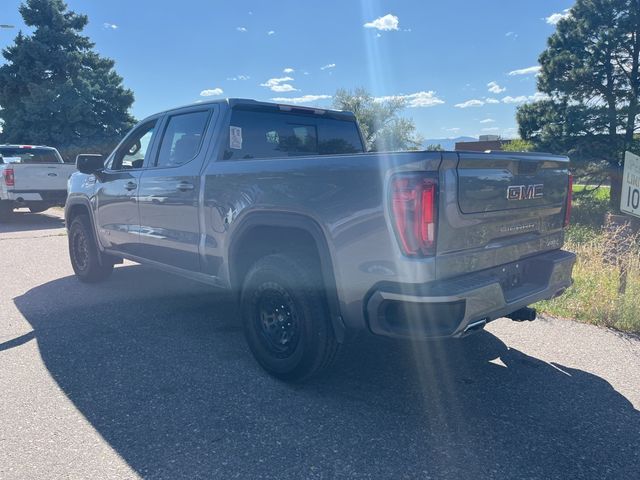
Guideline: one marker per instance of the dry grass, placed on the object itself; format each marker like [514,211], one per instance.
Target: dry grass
[594,298]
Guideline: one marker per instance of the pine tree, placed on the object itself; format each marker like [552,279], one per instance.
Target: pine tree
[590,72]
[56,90]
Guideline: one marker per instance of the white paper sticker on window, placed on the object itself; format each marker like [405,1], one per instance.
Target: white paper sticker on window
[235,137]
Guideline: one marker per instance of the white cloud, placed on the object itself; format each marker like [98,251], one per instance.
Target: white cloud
[526,71]
[288,70]
[285,87]
[303,99]
[524,98]
[487,120]
[212,92]
[511,34]
[490,129]
[495,88]
[279,84]
[241,29]
[271,32]
[328,66]
[470,103]
[386,23]
[516,100]
[110,26]
[452,129]
[239,77]
[416,100]
[536,97]
[554,18]
[490,100]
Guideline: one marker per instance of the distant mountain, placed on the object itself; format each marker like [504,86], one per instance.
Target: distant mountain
[448,143]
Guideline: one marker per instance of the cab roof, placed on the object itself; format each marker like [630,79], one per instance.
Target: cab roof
[257,105]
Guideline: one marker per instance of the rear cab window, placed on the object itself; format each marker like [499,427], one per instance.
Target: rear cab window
[29,155]
[255,134]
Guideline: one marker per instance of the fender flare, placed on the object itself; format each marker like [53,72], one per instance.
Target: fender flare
[83,202]
[308,225]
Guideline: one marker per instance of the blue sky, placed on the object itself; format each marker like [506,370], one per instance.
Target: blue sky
[442,56]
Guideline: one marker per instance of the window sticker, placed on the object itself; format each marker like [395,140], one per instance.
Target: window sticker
[235,138]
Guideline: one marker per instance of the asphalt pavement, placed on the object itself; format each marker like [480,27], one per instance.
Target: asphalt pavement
[147,375]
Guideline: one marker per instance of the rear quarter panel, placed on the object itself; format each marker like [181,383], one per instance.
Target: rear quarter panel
[345,195]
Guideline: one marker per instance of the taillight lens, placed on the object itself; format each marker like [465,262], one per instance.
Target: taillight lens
[9,179]
[567,210]
[414,208]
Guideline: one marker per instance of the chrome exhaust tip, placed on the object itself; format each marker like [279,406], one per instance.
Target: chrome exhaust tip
[473,326]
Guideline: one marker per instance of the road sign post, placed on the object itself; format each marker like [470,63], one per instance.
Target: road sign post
[623,231]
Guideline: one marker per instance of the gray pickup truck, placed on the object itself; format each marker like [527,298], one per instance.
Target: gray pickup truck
[317,239]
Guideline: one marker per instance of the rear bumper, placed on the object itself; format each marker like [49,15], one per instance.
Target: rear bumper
[49,197]
[447,308]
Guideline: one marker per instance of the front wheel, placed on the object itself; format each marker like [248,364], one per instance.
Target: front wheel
[85,257]
[286,324]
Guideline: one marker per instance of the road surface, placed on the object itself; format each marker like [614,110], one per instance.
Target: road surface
[147,375]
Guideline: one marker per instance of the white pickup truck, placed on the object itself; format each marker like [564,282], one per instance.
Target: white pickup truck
[33,177]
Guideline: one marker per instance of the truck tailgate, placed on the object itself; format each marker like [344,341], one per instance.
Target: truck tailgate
[498,208]
[41,177]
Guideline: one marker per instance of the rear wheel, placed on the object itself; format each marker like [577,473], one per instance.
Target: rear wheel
[86,260]
[285,318]
[6,211]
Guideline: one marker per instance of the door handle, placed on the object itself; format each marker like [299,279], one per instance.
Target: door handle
[130,186]
[185,186]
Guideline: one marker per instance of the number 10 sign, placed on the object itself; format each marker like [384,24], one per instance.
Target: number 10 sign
[630,201]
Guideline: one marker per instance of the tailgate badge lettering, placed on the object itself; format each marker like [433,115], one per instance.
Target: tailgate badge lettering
[525,192]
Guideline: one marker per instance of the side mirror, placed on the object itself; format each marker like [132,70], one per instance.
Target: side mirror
[89,163]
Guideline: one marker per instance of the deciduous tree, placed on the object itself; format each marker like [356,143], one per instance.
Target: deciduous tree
[382,126]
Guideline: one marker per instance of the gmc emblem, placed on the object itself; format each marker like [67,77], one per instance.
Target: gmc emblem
[524,192]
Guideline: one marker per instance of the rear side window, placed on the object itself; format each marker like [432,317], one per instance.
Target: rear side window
[28,155]
[182,138]
[259,134]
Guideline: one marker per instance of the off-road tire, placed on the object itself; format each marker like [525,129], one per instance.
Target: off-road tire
[86,260]
[284,297]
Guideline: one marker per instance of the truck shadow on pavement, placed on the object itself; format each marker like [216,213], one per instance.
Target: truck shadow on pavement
[23,221]
[159,367]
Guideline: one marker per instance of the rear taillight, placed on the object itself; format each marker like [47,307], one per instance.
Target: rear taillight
[414,207]
[9,179]
[567,210]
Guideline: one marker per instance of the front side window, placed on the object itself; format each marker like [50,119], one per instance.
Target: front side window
[182,138]
[131,154]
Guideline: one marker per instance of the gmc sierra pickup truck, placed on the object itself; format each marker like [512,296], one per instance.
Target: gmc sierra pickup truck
[317,239]
[32,176]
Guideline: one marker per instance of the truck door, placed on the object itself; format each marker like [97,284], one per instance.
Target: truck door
[117,214]
[170,190]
